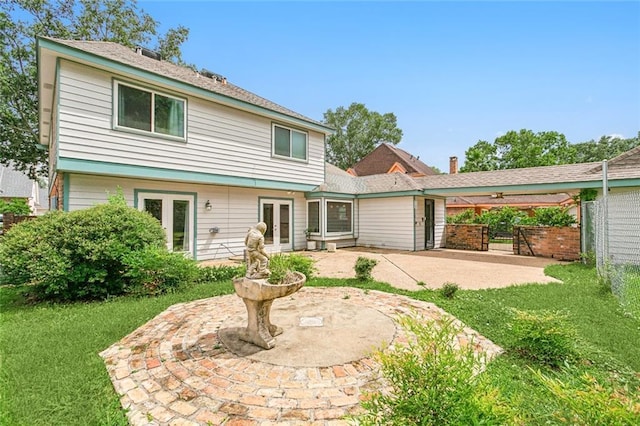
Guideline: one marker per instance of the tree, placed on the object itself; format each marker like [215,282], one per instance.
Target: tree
[606,148]
[480,157]
[119,21]
[358,132]
[519,149]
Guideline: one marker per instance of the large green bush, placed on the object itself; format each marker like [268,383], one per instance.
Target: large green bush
[552,216]
[505,217]
[80,254]
[17,206]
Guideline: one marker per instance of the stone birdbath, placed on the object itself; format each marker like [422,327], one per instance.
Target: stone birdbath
[258,294]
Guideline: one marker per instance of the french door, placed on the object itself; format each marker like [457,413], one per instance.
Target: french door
[429,224]
[175,213]
[277,214]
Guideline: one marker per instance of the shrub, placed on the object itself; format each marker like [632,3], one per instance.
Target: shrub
[280,264]
[592,402]
[449,290]
[543,336]
[219,273]
[433,380]
[464,217]
[155,270]
[363,268]
[552,216]
[17,206]
[78,255]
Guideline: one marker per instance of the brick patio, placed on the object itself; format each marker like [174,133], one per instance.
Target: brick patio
[174,370]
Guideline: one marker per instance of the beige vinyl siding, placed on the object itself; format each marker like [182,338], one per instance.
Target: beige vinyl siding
[234,209]
[220,140]
[440,217]
[386,223]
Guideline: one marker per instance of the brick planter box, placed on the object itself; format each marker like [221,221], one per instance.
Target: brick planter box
[9,219]
[467,237]
[562,243]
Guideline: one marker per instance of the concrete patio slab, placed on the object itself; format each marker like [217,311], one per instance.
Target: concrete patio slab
[470,270]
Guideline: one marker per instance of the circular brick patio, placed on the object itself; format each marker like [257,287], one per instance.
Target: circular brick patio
[174,370]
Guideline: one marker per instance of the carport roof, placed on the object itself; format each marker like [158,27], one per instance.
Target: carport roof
[623,171]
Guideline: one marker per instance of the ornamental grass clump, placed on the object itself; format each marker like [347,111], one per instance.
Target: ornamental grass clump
[543,336]
[591,401]
[433,380]
[281,266]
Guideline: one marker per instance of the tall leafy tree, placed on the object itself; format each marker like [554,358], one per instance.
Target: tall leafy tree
[528,149]
[519,149]
[604,149]
[480,157]
[358,132]
[120,21]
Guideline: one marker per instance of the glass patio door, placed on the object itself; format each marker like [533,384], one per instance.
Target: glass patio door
[175,213]
[429,224]
[277,215]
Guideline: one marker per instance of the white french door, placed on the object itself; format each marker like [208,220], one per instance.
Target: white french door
[175,213]
[277,214]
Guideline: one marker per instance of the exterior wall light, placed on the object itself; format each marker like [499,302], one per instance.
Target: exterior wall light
[208,205]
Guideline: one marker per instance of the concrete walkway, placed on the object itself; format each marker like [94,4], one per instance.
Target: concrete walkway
[433,268]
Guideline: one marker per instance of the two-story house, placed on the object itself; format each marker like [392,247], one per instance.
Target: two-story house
[209,159]
[205,157]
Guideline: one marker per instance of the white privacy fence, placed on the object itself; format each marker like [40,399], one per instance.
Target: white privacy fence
[611,231]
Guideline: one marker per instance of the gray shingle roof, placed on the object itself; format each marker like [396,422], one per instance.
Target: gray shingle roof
[124,55]
[339,181]
[14,183]
[623,167]
[525,176]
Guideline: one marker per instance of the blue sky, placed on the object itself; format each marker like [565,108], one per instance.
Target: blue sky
[453,73]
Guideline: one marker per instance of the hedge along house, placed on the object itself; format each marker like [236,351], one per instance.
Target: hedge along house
[205,157]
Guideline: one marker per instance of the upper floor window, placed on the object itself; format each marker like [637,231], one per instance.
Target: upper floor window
[149,111]
[289,143]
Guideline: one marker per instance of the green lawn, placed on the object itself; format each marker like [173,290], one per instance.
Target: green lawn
[51,374]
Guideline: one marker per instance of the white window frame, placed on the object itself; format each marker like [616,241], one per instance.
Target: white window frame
[291,130]
[152,132]
[326,218]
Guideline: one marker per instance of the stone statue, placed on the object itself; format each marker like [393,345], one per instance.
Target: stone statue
[257,257]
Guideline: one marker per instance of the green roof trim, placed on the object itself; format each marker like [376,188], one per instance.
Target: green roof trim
[157,173]
[559,186]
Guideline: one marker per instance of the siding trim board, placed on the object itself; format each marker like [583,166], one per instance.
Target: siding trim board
[178,85]
[65,191]
[146,172]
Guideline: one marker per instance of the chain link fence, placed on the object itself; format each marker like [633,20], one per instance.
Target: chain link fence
[611,233]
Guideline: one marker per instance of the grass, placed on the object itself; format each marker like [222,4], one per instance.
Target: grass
[51,373]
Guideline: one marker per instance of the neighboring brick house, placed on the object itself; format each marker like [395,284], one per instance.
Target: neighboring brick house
[387,158]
